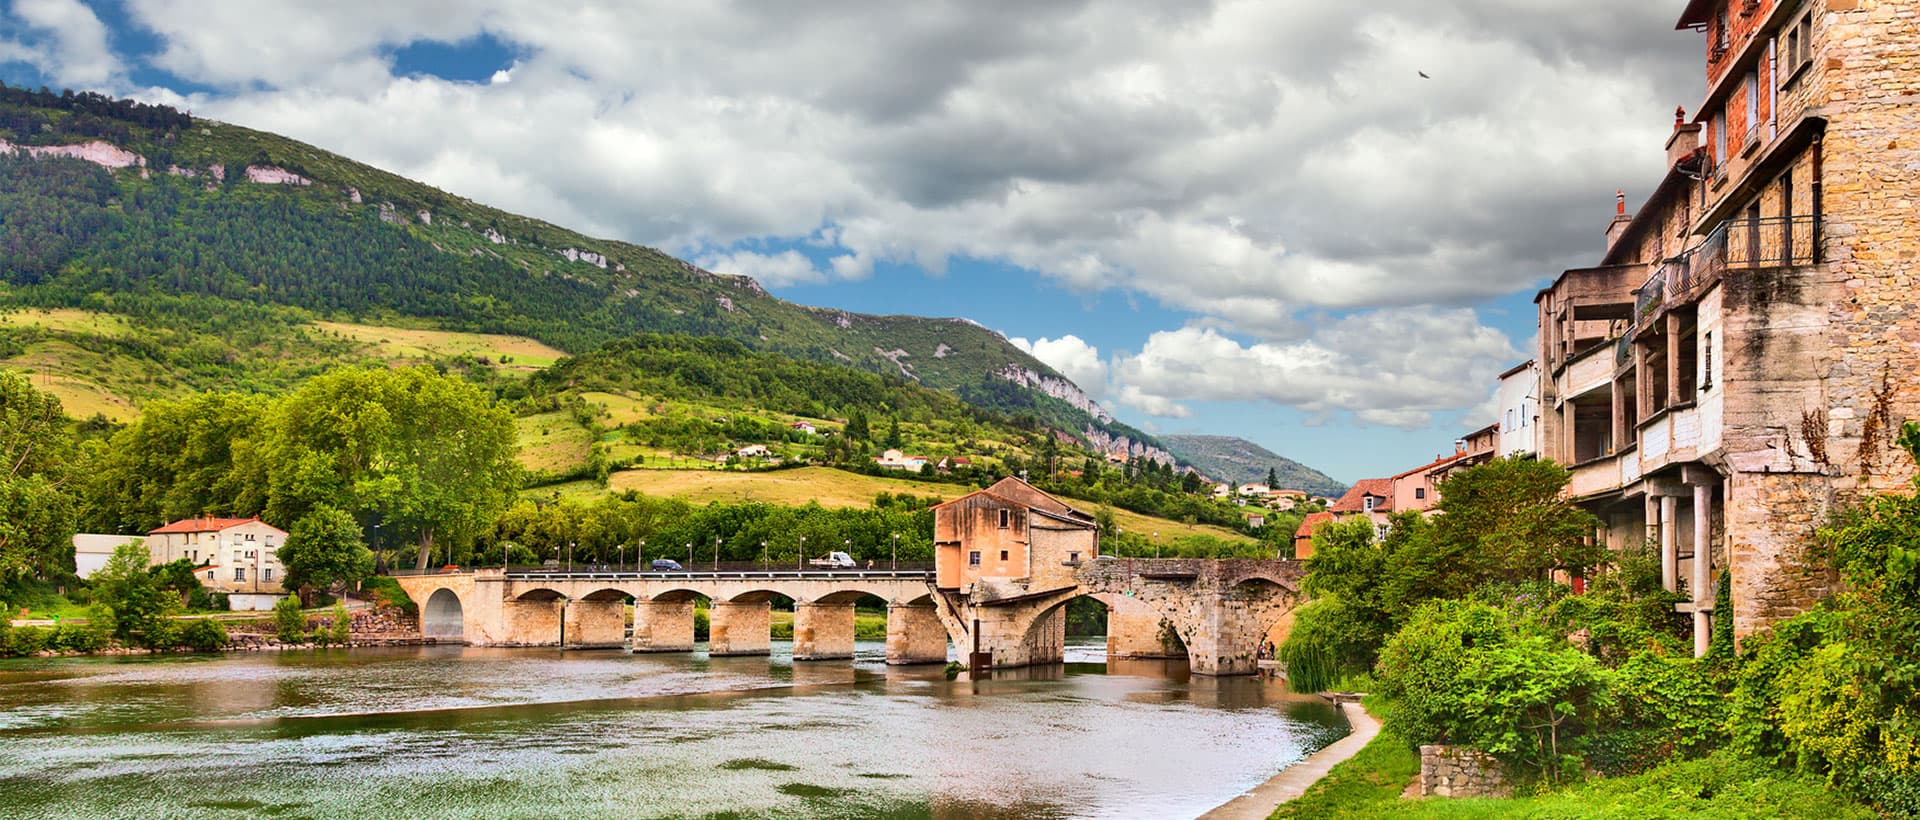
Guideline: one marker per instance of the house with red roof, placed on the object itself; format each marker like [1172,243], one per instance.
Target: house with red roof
[1303,535]
[1370,497]
[245,550]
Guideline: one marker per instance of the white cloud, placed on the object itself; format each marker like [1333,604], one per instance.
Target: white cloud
[63,40]
[1254,164]
[1394,367]
[772,270]
[1073,357]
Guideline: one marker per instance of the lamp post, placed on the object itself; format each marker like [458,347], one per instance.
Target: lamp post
[765,559]
[716,553]
[800,559]
[689,555]
[1119,542]
[620,557]
[379,566]
[1156,545]
[569,557]
[896,552]
[640,556]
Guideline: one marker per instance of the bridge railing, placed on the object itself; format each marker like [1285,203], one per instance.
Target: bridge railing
[705,568]
[582,574]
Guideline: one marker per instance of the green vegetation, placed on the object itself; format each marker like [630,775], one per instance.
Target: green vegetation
[36,497]
[324,550]
[289,621]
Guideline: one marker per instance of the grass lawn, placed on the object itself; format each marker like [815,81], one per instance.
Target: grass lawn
[415,344]
[1370,784]
[552,442]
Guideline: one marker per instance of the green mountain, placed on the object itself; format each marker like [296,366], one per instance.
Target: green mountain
[127,209]
[1226,458]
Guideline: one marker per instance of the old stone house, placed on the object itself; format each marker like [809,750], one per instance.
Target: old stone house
[1011,538]
[1741,356]
[243,550]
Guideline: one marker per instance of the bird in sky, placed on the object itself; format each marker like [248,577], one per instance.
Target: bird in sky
[1423,75]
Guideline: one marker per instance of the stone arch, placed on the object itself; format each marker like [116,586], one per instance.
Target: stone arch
[679,596]
[444,616]
[539,594]
[1138,629]
[1270,604]
[757,596]
[850,596]
[607,595]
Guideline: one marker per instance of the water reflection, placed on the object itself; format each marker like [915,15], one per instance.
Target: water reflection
[469,731]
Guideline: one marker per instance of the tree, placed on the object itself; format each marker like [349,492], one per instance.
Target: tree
[181,458]
[36,466]
[139,605]
[1273,479]
[427,453]
[289,622]
[857,426]
[1508,519]
[893,432]
[324,549]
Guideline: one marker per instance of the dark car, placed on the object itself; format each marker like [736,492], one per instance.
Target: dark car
[665,565]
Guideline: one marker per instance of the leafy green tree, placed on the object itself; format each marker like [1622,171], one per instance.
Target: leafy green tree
[37,508]
[289,622]
[1509,519]
[856,429]
[894,440]
[139,604]
[181,458]
[324,550]
[1273,479]
[178,579]
[204,635]
[427,453]
[341,630]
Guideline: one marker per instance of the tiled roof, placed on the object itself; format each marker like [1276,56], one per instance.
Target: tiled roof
[203,525]
[1310,523]
[1352,501]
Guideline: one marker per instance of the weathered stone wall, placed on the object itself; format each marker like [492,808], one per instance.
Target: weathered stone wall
[822,631]
[662,626]
[739,628]
[915,635]
[596,623]
[1457,771]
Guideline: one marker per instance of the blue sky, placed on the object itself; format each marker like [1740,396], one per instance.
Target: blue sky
[1242,218]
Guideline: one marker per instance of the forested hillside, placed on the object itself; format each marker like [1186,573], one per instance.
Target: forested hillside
[128,209]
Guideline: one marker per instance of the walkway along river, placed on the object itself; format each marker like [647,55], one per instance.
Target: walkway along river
[463,731]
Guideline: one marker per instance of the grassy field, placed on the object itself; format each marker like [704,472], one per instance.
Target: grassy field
[397,344]
[552,441]
[837,488]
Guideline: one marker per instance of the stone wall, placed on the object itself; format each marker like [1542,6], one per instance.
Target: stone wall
[1457,771]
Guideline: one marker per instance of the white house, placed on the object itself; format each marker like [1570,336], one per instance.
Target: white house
[1519,401]
[752,451]
[804,427]
[896,460]
[92,551]
[243,548]
[1253,490]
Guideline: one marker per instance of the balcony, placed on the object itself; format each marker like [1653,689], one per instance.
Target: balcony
[1738,244]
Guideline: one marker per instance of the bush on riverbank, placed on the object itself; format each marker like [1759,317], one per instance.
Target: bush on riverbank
[204,635]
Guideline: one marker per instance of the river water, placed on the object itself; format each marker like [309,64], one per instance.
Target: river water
[470,732]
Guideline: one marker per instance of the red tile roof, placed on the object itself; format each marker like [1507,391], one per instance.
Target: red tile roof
[203,525]
[1310,523]
[1352,501]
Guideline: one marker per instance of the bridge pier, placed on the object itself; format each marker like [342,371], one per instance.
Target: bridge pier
[662,626]
[533,622]
[1134,631]
[915,635]
[822,631]
[596,624]
[739,628]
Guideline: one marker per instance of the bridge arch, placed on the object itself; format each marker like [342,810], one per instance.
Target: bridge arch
[444,616]
[539,594]
[607,595]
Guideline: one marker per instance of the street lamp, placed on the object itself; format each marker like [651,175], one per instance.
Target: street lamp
[896,552]
[689,555]
[716,553]
[1156,545]
[640,555]
[765,559]
[569,556]
[800,560]
[620,557]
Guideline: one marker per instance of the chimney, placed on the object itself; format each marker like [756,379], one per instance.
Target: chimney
[1685,139]
[1620,219]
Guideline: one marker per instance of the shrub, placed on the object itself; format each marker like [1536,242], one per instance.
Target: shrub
[161,634]
[205,635]
[342,626]
[24,640]
[1664,707]
[701,624]
[289,622]
[387,592]
[80,637]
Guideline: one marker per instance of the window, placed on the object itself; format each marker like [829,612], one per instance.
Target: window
[249,536]
[266,574]
[239,573]
[1367,504]
[1719,127]
[1073,558]
[973,558]
[1380,532]
[1706,361]
[1753,107]
[1420,492]
[209,574]
[236,555]
[250,553]
[1003,556]
[1721,33]
[1006,518]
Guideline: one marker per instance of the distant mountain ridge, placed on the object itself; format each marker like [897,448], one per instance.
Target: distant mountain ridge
[1228,458]
[105,200]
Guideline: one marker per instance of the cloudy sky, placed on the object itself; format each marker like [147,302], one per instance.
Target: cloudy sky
[1248,218]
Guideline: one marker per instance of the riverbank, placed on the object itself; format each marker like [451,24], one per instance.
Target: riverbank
[1375,782]
[1295,780]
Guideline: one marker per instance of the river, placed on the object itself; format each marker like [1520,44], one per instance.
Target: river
[470,732]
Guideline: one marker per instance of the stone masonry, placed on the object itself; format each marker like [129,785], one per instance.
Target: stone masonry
[1457,771]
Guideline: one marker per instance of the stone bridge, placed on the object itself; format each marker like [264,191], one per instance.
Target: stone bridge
[1214,612]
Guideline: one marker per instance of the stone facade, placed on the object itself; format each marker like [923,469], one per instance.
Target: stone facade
[1457,771]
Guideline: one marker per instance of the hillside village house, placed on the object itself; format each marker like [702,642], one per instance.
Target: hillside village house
[804,427]
[1369,497]
[952,463]
[1303,535]
[91,551]
[896,460]
[1736,363]
[1518,398]
[235,555]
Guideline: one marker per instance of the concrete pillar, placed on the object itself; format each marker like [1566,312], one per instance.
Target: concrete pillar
[1620,435]
[662,626]
[532,623]
[915,635]
[1673,359]
[822,631]
[1669,550]
[738,628]
[1702,568]
[596,624]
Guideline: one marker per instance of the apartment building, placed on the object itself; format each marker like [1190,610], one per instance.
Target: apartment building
[1740,358]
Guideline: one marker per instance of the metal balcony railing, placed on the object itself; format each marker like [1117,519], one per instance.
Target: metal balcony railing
[1738,244]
